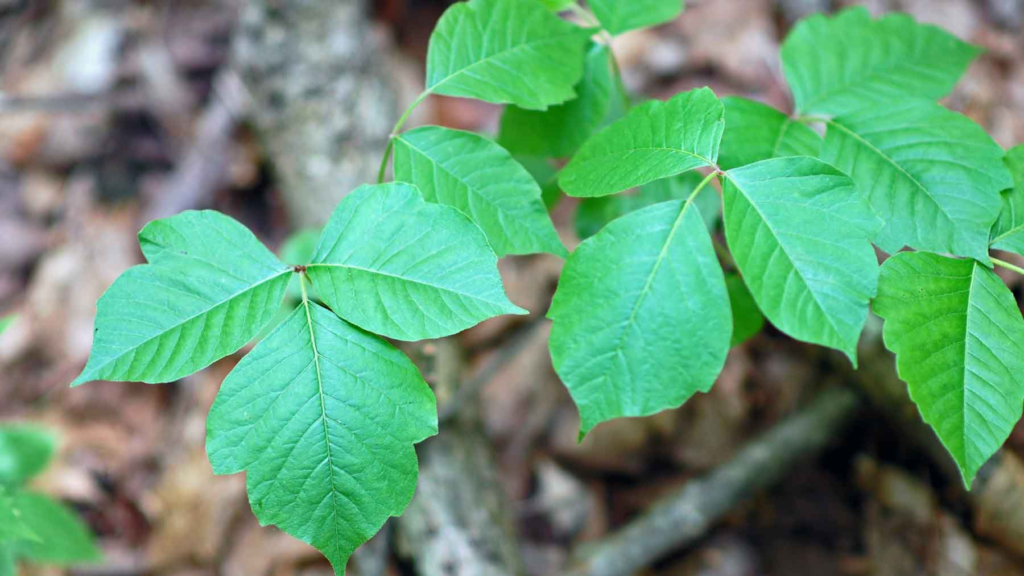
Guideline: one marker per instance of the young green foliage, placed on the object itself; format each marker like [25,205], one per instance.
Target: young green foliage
[755,132]
[1008,231]
[617,16]
[958,337]
[5,322]
[654,141]
[849,62]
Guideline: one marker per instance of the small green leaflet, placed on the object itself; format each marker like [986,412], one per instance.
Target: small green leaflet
[618,16]
[594,213]
[209,287]
[747,319]
[505,52]
[641,317]
[478,177]
[836,65]
[12,522]
[756,131]
[798,230]
[958,337]
[61,537]
[25,451]
[1008,232]
[932,175]
[323,417]
[394,264]
[560,130]
[655,140]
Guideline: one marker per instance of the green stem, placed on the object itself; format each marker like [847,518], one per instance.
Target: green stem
[1008,266]
[812,119]
[701,186]
[302,286]
[394,134]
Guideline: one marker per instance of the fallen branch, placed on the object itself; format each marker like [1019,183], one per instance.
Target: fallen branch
[685,515]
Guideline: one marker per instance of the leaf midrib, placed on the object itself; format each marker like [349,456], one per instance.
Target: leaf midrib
[404,279]
[967,345]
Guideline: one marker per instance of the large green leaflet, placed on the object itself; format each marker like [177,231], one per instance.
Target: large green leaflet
[958,336]
[798,230]
[654,141]
[323,417]
[560,130]
[475,175]
[932,175]
[394,264]
[209,287]
[505,52]
[756,131]
[836,65]
[1008,232]
[594,213]
[641,317]
[61,537]
[25,450]
[618,16]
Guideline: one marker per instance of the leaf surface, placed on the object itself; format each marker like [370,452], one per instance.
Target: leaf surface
[932,175]
[756,131]
[655,140]
[482,180]
[12,523]
[798,230]
[25,451]
[836,65]
[560,130]
[394,264]
[958,337]
[747,319]
[505,52]
[594,213]
[323,418]
[61,537]
[617,16]
[641,315]
[210,287]
[1008,231]
[6,321]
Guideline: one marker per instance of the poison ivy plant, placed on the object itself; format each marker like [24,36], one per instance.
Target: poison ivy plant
[323,414]
[34,527]
[6,322]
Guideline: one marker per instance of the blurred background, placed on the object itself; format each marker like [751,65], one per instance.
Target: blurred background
[115,112]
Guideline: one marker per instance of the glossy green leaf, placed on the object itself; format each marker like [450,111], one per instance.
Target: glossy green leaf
[756,131]
[932,175]
[25,451]
[747,319]
[1008,231]
[505,52]
[839,64]
[654,141]
[209,287]
[958,336]
[396,265]
[798,230]
[618,16]
[560,130]
[481,179]
[323,418]
[12,522]
[641,317]
[62,538]
[594,213]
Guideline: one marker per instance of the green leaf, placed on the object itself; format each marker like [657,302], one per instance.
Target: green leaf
[394,264]
[594,213]
[798,230]
[62,538]
[932,175]
[958,337]
[7,567]
[209,287]
[469,172]
[836,65]
[641,315]
[546,177]
[558,5]
[560,130]
[25,451]
[12,523]
[323,417]
[755,132]
[618,16]
[654,141]
[1008,232]
[6,321]
[299,247]
[505,52]
[747,319]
